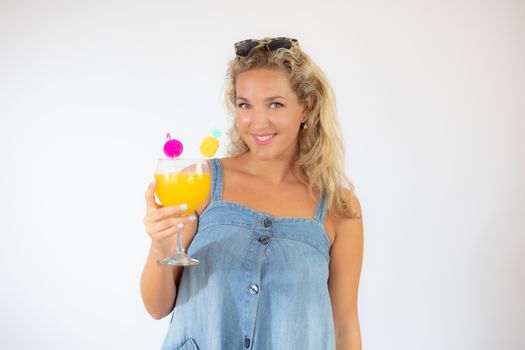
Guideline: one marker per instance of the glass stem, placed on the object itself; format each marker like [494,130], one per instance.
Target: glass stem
[179,241]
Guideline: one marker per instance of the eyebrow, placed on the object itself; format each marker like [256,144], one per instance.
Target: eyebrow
[266,99]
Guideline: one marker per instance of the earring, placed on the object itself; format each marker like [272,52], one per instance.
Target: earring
[304,126]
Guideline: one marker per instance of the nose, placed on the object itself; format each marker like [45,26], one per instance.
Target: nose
[259,119]
[255,119]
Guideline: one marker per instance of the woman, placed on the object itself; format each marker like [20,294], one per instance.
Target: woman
[280,237]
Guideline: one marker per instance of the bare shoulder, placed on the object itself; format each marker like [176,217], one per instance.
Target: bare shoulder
[231,163]
[350,225]
[335,225]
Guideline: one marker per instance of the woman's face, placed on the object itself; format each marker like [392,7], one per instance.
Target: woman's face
[268,113]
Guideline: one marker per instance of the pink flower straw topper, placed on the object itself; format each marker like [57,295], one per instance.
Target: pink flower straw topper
[173,147]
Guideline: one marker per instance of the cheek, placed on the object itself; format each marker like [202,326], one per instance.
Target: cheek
[242,120]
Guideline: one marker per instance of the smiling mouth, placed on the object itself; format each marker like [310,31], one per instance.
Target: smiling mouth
[264,138]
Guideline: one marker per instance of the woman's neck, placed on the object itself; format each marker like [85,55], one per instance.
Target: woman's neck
[275,171]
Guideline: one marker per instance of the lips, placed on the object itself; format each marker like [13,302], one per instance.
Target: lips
[263,139]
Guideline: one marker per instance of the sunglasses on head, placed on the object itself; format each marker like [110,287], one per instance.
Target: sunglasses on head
[243,48]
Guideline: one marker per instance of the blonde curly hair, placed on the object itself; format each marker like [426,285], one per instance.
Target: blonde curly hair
[321,152]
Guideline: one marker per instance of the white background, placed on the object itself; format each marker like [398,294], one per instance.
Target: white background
[431,96]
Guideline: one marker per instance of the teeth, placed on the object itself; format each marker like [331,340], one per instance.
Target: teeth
[264,138]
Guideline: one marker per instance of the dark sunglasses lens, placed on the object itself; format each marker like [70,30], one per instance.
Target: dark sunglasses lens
[245,48]
[279,43]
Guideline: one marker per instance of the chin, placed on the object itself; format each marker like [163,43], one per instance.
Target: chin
[275,151]
[269,155]
[262,154]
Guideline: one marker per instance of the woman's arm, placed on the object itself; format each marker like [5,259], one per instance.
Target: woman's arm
[158,283]
[346,256]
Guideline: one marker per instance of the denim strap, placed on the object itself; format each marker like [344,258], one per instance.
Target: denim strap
[320,211]
[216,179]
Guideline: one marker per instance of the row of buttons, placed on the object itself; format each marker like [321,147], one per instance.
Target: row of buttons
[253,288]
[267,222]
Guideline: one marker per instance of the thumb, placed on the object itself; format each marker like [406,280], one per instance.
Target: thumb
[151,204]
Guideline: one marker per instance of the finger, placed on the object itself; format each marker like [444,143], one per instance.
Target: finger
[169,232]
[163,224]
[169,211]
[151,204]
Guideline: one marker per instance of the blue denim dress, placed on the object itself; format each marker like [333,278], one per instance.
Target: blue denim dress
[261,283]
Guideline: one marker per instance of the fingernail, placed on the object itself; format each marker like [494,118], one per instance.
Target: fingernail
[183,206]
[192,217]
[180,225]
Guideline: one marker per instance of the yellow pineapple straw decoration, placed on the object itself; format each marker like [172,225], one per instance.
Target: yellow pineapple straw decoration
[210,144]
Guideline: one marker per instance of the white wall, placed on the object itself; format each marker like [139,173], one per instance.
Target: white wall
[431,97]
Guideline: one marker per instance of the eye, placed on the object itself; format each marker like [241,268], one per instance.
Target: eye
[242,104]
[277,103]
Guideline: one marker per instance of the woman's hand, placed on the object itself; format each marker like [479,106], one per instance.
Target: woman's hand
[162,223]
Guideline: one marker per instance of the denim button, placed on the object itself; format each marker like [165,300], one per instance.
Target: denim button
[246,342]
[253,288]
[264,239]
[267,222]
